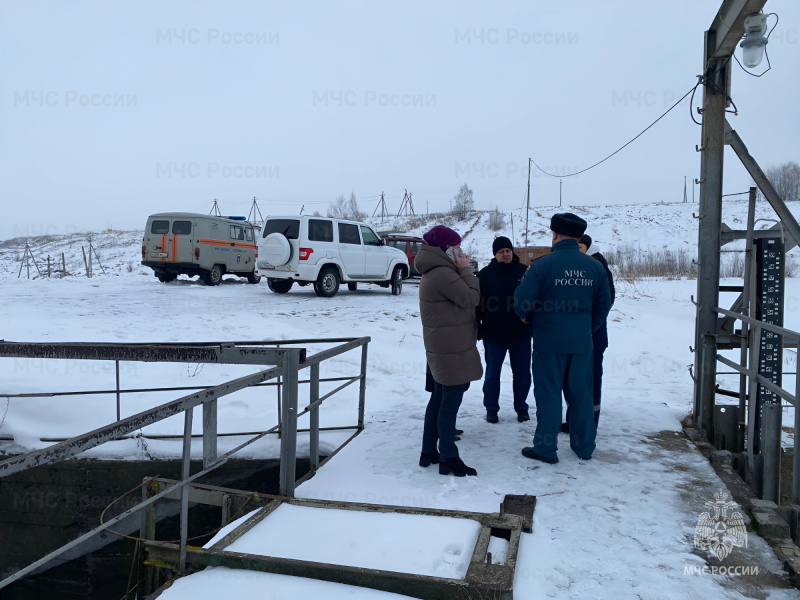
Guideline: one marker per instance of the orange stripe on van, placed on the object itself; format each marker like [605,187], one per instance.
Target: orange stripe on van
[174,255]
[228,244]
[164,246]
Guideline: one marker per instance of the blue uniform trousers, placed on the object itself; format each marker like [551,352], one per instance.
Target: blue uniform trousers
[597,383]
[440,420]
[520,355]
[572,375]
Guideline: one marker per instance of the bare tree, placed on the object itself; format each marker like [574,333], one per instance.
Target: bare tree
[463,203]
[344,208]
[786,180]
[354,210]
[496,220]
[337,208]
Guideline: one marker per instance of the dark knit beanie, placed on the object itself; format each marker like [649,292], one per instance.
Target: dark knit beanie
[500,243]
[586,240]
[442,236]
[568,224]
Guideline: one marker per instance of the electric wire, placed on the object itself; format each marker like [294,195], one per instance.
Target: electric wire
[706,81]
[628,143]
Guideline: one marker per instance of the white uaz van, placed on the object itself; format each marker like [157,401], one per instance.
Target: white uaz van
[326,251]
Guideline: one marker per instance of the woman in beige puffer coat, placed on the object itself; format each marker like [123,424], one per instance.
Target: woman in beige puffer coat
[448,295]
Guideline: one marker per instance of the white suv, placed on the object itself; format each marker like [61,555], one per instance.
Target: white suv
[326,251]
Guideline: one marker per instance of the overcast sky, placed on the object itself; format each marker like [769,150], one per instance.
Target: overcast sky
[112,111]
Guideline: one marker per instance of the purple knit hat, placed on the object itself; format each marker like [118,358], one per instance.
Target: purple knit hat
[442,236]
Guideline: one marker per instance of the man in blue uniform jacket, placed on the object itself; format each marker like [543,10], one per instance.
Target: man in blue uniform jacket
[565,297]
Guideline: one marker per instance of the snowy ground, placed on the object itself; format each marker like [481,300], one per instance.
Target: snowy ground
[620,526]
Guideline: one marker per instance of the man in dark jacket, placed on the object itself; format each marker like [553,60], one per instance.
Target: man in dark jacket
[599,338]
[503,331]
[564,295]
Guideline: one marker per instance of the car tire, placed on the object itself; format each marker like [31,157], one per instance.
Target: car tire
[166,277]
[253,278]
[214,276]
[327,283]
[280,286]
[352,286]
[397,281]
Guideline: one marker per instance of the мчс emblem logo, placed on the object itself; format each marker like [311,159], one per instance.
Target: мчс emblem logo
[720,532]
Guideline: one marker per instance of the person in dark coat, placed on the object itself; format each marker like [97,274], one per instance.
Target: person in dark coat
[503,331]
[449,293]
[565,297]
[599,338]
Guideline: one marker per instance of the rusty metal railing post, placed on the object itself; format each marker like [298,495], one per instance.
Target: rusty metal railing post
[118,400]
[209,432]
[314,418]
[185,468]
[362,387]
[280,410]
[288,469]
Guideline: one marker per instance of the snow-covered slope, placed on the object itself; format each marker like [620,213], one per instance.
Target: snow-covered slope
[642,227]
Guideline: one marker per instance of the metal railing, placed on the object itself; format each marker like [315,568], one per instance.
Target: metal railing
[767,474]
[288,363]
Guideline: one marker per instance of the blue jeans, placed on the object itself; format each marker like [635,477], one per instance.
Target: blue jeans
[440,420]
[520,354]
[572,375]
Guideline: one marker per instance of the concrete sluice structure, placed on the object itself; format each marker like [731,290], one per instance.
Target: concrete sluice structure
[51,503]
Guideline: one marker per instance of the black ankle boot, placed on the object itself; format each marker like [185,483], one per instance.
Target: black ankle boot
[428,458]
[455,466]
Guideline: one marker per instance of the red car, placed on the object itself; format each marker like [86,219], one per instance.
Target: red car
[410,245]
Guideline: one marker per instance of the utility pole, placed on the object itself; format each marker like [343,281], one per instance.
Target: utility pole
[527,208]
[255,211]
[710,222]
[685,195]
[382,206]
[719,43]
[407,204]
[427,202]
[560,183]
